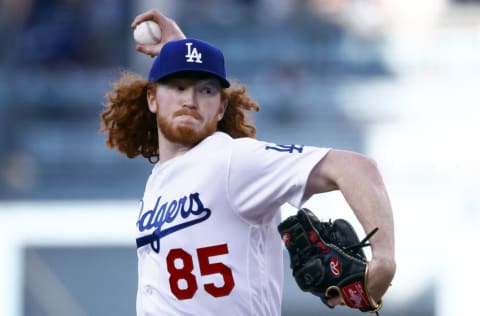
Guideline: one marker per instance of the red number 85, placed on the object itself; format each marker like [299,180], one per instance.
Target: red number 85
[206,268]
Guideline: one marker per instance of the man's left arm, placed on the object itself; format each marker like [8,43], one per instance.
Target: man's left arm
[360,182]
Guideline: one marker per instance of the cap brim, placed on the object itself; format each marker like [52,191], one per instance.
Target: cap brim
[224,82]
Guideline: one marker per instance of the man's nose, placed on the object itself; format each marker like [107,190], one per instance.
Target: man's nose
[190,98]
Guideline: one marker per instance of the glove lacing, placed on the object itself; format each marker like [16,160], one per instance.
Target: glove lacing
[362,243]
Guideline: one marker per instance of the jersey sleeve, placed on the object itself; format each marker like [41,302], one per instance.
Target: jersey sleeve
[263,176]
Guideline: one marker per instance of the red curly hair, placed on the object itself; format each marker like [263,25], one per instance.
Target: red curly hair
[132,128]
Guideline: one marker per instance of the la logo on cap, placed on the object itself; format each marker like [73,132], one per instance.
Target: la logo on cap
[193,56]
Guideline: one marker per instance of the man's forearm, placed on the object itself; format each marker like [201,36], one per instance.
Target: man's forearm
[364,190]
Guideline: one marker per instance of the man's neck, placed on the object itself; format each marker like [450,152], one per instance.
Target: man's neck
[168,150]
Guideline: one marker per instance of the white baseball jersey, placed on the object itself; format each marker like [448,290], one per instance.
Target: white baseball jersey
[207,228]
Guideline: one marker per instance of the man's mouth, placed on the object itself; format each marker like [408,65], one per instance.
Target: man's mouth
[191,113]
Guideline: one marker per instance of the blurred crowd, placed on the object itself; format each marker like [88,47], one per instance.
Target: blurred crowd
[59,57]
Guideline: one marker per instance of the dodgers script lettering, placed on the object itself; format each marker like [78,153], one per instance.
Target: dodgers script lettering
[167,213]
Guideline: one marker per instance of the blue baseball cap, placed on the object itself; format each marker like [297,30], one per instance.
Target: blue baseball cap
[189,55]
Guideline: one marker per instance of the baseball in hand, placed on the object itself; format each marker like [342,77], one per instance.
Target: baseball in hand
[147,33]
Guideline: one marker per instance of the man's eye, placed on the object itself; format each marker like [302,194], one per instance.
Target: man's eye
[209,90]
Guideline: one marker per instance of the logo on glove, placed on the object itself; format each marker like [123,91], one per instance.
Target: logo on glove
[335,267]
[355,296]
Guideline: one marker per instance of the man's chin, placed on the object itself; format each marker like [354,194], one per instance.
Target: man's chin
[188,136]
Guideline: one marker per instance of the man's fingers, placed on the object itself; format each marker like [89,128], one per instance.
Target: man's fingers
[334,301]
[152,14]
[142,17]
[169,28]
[145,49]
[148,15]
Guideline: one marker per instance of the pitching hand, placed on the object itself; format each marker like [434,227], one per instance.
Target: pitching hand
[380,275]
[169,28]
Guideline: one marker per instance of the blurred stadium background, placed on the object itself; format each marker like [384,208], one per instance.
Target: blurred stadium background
[395,79]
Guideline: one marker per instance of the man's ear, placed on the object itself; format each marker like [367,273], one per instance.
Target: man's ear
[222,109]
[152,100]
